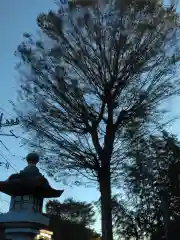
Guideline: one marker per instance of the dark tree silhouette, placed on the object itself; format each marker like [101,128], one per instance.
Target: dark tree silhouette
[71,210]
[129,223]
[70,220]
[173,229]
[92,80]
[153,178]
[68,230]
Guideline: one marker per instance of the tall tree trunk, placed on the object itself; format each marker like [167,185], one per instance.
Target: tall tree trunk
[106,205]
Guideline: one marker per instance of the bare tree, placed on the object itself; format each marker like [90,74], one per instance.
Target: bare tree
[94,79]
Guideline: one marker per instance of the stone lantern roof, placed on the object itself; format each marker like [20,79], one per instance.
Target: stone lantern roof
[29,182]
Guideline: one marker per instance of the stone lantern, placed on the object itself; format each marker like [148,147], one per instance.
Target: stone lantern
[27,190]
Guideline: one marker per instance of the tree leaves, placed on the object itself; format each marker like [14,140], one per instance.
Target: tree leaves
[111,91]
[73,211]
[153,176]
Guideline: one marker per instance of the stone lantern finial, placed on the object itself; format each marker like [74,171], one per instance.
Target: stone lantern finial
[32,158]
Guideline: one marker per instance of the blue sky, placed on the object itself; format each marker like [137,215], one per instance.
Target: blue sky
[17,17]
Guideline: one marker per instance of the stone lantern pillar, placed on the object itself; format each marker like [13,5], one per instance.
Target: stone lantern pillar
[27,190]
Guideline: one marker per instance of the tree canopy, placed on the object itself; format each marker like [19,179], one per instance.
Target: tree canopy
[81,95]
[96,79]
[152,209]
[71,210]
[71,220]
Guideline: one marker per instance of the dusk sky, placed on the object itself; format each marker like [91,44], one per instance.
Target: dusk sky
[17,17]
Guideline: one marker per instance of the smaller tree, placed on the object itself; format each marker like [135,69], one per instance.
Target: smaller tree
[125,223]
[173,229]
[71,210]
[153,176]
[69,220]
[68,230]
